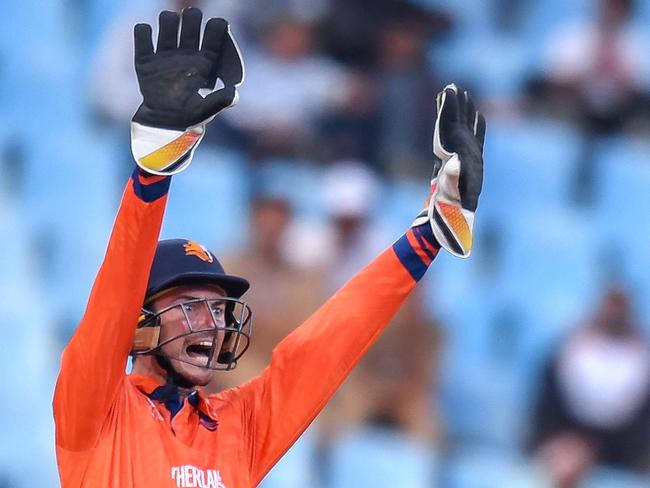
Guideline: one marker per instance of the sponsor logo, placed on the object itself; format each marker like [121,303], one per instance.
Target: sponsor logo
[195,249]
[189,476]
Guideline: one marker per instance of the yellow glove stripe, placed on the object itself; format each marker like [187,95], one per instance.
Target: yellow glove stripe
[168,154]
[456,220]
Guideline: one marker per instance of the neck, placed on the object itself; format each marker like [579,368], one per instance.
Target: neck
[150,366]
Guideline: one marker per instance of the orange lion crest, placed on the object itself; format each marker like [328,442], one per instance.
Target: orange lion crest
[195,249]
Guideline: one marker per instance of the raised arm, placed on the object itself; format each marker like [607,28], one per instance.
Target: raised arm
[94,361]
[311,363]
[177,82]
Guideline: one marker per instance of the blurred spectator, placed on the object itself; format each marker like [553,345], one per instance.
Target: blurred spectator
[596,74]
[114,93]
[391,118]
[281,295]
[261,12]
[393,386]
[599,67]
[289,86]
[391,389]
[350,194]
[594,405]
[352,28]
[351,130]
[406,97]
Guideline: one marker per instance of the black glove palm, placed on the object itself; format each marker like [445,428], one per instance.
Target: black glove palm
[170,78]
[461,131]
[457,177]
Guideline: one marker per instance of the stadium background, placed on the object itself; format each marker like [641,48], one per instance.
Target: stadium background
[326,159]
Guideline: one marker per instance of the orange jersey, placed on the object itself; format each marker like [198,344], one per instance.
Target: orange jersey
[119,430]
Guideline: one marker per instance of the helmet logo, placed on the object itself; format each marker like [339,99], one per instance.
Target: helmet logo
[195,249]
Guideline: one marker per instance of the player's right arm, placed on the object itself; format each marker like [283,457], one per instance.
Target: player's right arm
[165,131]
[94,361]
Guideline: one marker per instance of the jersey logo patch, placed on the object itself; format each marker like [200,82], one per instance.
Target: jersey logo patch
[195,249]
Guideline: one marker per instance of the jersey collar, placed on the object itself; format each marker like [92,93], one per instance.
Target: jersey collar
[164,393]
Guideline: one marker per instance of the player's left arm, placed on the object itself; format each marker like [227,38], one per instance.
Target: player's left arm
[310,364]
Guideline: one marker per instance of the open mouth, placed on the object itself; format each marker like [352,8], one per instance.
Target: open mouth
[200,350]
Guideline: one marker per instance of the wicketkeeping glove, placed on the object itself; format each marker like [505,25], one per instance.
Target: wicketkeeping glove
[457,178]
[177,83]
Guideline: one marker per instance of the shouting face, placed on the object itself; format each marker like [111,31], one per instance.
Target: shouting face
[192,322]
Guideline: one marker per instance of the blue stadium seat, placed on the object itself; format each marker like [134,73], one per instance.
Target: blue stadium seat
[482,467]
[622,208]
[543,18]
[499,75]
[552,268]
[605,477]
[551,262]
[400,202]
[69,201]
[501,322]
[530,164]
[297,468]
[27,360]
[622,198]
[298,181]
[39,87]
[381,458]
[208,204]
[642,16]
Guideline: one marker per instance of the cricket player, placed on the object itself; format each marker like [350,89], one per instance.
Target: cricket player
[172,307]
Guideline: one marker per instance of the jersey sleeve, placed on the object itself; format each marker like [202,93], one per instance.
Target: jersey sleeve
[94,361]
[310,364]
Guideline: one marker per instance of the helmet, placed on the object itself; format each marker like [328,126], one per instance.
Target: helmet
[180,262]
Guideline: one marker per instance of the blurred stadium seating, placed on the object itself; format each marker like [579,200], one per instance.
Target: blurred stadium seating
[541,259]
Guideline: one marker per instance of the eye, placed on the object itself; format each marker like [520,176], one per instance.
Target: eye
[188,307]
[218,308]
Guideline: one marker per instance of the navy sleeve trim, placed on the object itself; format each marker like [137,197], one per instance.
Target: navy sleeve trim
[415,251]
[150,188]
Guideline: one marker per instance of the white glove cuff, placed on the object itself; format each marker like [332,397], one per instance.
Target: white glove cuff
[452,226]
[164,152]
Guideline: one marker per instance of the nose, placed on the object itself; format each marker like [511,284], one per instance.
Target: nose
[202,319]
